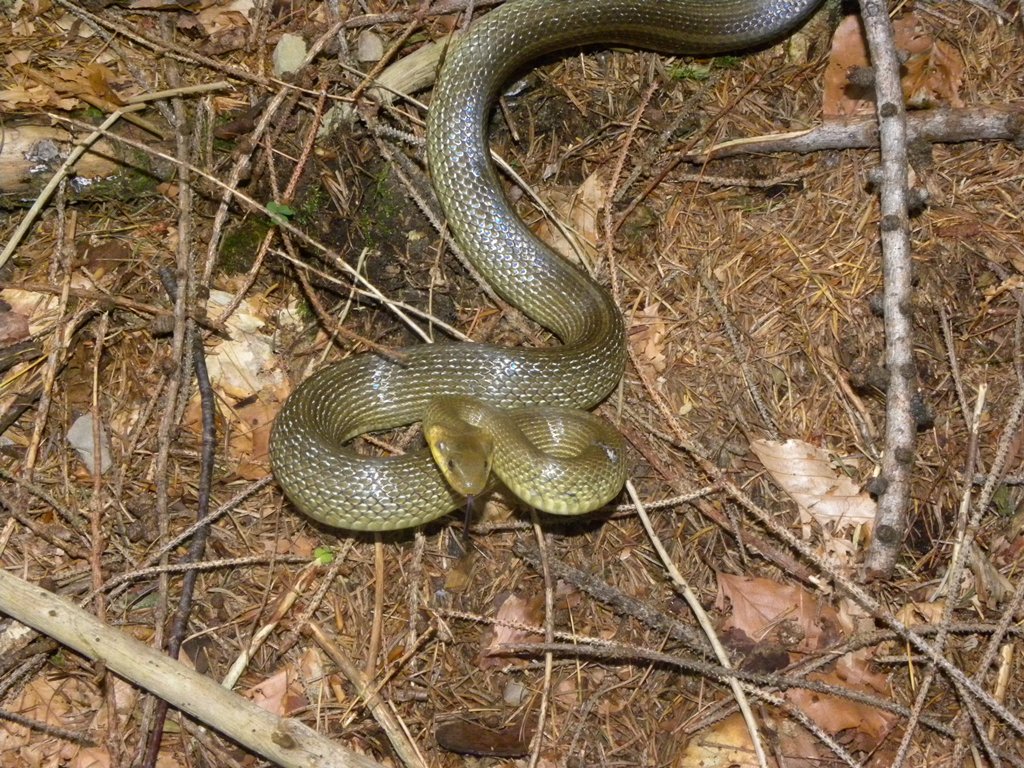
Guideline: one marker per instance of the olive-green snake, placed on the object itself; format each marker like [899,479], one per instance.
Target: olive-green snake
[364,393]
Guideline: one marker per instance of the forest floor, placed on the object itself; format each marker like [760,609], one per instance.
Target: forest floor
[753,403]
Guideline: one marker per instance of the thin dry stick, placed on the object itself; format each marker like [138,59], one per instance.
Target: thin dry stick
[609,230]
[61,344]
[59,175]
[739,352]
[954,366]
[705,624]
[268,238]
[549,636]
[959,563]
[415,23]
[242,162]
[966,541]
[852,589]
[96,531]
[281,608]
[369,289]
[609,234]
[775,681]
[994,648]
[117,584]
[416,585]
[620,603]
[900,427]
[377,626]
[178,283]
[946,588]
[397,733]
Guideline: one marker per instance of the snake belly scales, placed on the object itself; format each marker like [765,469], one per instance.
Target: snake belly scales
[329,481]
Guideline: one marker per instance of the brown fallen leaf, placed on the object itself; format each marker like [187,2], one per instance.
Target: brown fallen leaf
[864,727]
[581,212]
[468,737]
[806,474]
[648,337]
[281,693]
[932,73]
[727,745]
[762,608]
[13,328]
[513,613]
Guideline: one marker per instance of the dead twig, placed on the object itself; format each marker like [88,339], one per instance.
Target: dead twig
[900,427]
[993,122]
[284,741]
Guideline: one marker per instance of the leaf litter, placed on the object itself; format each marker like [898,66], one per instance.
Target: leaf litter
[794,270]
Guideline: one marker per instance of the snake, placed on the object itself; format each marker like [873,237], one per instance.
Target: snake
[529,404]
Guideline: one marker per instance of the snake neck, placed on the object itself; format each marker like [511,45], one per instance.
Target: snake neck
[520,267]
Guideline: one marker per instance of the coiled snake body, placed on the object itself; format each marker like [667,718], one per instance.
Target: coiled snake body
[335,485]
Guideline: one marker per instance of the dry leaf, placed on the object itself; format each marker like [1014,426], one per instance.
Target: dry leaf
[250,439]
[467,737]
[760,606]
[311,672]
[221,18]
[932,74]
[281,693]
[581,212]
[648,336]
[13,328]
[514,612]
[864,726]
[805,473]
[243,368]
[993,588]
[16,56]
[727,744]
[988,238]
[89,80]
[41,309]
[70,702]
[921,613]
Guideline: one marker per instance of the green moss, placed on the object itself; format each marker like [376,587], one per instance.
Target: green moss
[379,211]
[238,249]
[698,72]
[311,209]
[701,72]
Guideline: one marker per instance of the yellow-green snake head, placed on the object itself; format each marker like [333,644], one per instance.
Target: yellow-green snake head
[559,460]
[464,453]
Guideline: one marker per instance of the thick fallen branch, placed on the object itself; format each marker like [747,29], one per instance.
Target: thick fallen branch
[935,126]
[900,425]
[284,741]
[31,152]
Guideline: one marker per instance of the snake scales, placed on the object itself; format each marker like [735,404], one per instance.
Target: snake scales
[364,393]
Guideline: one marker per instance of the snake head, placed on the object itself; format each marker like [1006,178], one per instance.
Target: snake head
[463,453]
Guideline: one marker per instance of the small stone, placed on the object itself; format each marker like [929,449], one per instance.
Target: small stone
[515,693]
[369,47]
[289,54]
